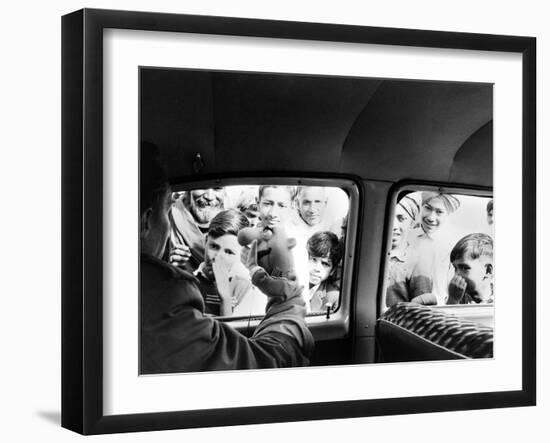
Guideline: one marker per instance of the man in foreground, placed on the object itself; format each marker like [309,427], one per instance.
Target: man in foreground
[175,334]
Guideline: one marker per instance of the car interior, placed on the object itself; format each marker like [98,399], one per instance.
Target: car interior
[368,142]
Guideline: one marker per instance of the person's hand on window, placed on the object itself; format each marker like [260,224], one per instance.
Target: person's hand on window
[457,289]
[179,255]
[221,269]
[427,299]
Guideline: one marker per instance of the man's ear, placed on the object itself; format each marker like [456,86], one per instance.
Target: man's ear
[489,270]
[145,223]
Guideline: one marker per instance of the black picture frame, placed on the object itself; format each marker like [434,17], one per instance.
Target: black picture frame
[82,231]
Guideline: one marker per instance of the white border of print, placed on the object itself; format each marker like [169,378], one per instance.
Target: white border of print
[125,392]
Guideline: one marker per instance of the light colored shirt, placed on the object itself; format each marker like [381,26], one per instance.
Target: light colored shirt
[431,254]
[408,276]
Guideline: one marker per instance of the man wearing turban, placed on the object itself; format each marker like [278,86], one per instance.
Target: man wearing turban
[407,280]
[430,253]
[436,207]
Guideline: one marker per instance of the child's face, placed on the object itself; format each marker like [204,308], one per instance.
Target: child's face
[434,215]
[319,269]
[275,206]
[226,245]
[478,274]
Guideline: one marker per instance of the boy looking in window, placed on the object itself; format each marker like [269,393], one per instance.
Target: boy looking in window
[275,205]
[224,281]
[431,250]
[435,210]
[472,259]
[324,255]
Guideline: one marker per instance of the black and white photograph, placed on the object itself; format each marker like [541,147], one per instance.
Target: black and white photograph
[257,191]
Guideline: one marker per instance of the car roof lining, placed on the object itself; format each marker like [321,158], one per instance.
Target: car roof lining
[384,129]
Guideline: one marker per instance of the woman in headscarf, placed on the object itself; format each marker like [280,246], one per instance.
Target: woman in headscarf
[407,280]
[430,252]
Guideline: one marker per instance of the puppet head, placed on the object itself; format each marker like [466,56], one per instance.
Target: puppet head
[274,249]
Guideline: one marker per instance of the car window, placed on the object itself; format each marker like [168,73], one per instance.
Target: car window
[440,249]
[205,226]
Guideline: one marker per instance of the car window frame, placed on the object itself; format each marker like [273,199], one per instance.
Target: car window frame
[323,327]
[414,186]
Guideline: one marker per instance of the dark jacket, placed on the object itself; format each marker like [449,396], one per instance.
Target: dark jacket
[176,335]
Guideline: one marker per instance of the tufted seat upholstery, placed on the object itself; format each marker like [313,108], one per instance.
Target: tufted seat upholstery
[412,332]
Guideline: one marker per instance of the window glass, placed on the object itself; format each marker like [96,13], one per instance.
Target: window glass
[440,249]
[212,230]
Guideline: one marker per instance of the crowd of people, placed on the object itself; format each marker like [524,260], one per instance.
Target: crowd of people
[423,268]
[204,225]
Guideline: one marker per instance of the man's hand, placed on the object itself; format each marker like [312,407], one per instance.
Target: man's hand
[457,290]
[179,255]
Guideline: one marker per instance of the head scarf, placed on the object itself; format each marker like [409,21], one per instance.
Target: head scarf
[450,202]
[410,206]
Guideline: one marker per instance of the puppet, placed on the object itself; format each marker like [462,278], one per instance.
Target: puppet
[273,250]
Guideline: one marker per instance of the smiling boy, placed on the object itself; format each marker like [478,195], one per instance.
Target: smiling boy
[275,204]
[436,208]
[276,209]
[431,251]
